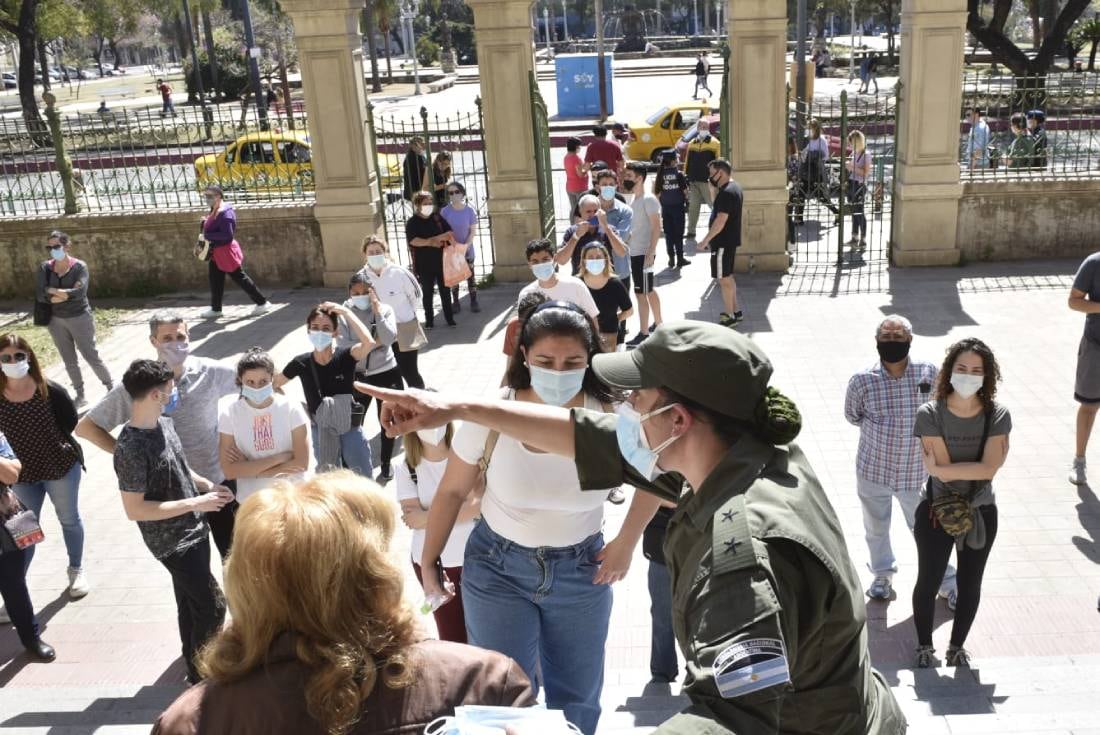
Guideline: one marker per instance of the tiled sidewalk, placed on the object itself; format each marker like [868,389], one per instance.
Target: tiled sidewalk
[1036,642]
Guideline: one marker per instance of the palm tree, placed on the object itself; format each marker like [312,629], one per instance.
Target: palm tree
[385,11]
[1088,31]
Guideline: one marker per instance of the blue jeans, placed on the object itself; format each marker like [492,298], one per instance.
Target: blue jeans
[355,451]
[539,607]
[662,641]
[64,493]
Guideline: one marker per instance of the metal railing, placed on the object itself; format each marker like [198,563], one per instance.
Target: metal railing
[128,160]
[1070,103]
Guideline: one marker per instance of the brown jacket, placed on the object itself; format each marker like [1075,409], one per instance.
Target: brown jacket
[271,701]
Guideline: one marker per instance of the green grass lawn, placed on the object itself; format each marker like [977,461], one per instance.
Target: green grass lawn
[42,344]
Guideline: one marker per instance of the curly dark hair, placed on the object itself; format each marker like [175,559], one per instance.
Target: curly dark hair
[991,370]
[559,319]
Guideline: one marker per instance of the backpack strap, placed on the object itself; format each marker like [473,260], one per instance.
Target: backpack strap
[412,472]
[486,455]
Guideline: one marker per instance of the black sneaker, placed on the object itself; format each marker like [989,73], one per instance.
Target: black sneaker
[474,306]
[429,325]
[452,323]
[737,318]
[682,262]
[672,262]
[385,474]
[637,340]
[725,320]
[456,307]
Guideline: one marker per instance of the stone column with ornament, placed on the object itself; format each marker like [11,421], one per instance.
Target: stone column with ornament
[330,52]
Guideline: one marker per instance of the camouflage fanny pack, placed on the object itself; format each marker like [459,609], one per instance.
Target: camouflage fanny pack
[952,509]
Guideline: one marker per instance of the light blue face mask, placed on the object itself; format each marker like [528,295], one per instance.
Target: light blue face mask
[57,253]
[362,303]
[258,395]
[556,387]
[377,262]
[321,340]
[488,720]
[607,193]
[594,266]
[173,402]
[543,271]
[634,444]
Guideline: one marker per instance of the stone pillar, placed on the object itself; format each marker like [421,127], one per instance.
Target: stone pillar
[330,52]
[927,187]
[758,102]
[505,58]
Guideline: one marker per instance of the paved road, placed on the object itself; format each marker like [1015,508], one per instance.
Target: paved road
[1036,641]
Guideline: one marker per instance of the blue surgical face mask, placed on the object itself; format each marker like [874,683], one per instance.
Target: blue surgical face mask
[173,402]
[57,253]
[321,340]
[556,387]
[607,193]
[490,720]
[258,395]
[543,271]
[634,444]
[595,266]
[594,221]
[362,303]
[377,262]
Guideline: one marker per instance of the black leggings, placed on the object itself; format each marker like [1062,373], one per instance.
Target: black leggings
[406,363]
[388,379]
[217,286]
[933,552]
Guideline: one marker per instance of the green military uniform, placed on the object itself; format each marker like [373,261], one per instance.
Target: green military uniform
[1021,152]
[767,606]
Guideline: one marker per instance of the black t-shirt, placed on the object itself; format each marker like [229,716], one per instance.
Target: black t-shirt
[728,201]
[610,300]
[593,235]
[426,259]
[336,377]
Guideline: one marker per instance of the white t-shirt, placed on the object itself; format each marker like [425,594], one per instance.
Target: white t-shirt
[568,289]
[261,432]
[428,475]
[531,498]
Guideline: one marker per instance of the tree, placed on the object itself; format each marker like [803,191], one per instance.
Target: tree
[1087,33]
[384,12]
[991,34]
[372,50]
[19,18]
[110,20]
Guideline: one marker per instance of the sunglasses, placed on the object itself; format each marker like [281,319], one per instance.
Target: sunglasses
[13,357]
[454,193]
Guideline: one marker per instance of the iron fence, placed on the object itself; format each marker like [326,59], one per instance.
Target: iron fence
[138,160]
[461,135]
[1070,104]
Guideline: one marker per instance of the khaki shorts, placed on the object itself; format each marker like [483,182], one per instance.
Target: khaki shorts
[1087,387]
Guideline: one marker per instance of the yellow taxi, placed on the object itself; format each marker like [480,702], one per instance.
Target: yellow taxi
[267,159]
[662,130]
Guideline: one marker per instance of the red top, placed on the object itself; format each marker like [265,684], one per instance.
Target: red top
[574,182]
[607,151]
[165,90]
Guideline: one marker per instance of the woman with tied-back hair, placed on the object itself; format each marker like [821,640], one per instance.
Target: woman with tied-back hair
[322,641]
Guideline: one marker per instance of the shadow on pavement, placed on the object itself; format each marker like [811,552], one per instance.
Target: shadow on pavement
[1088,512]
[143,707]
[12,650]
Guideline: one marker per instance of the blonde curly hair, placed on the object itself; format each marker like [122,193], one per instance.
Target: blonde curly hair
[312,559]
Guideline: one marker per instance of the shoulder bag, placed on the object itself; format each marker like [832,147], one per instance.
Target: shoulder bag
[952,509]
[410,334]
[358,409]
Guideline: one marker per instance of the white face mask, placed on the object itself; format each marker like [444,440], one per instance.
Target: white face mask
[966,385]
[16,369]
[426,210]
[432,436]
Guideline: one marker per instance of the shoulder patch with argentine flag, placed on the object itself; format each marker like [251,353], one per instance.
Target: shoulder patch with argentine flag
[749,666]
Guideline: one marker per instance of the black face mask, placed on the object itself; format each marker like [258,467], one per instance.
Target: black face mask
[891,352]
[629,185]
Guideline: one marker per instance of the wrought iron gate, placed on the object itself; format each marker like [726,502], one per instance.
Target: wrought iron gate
[463,137]
[543,171]
[822,207]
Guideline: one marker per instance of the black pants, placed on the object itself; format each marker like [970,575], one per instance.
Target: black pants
[674,219]
[406,363]
[217,285]
[221,522]
[933,552]
[428,281]
[200,607]
[16,596]
[857,191]
[388,379]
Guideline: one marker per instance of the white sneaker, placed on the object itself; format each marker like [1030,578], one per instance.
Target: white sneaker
[4,617]
[880,589]
[210,314]
[262,308]
[952,597]
[78,584]
[1077,473]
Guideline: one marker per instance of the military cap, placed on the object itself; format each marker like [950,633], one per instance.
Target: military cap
[710,364]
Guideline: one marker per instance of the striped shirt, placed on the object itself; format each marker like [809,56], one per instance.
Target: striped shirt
[885,408]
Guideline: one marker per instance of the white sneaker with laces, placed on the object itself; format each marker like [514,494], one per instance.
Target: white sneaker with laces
[78,584]
[210,314]
[1077,472]
[262,308]
[880,589]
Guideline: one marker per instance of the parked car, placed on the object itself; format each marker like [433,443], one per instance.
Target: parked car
[269,159]
[661,130]
[10,80]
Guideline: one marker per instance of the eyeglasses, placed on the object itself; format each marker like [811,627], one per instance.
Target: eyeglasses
[13,357]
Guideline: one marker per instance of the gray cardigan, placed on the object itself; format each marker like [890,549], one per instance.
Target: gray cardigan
[75,281]
[383,328]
